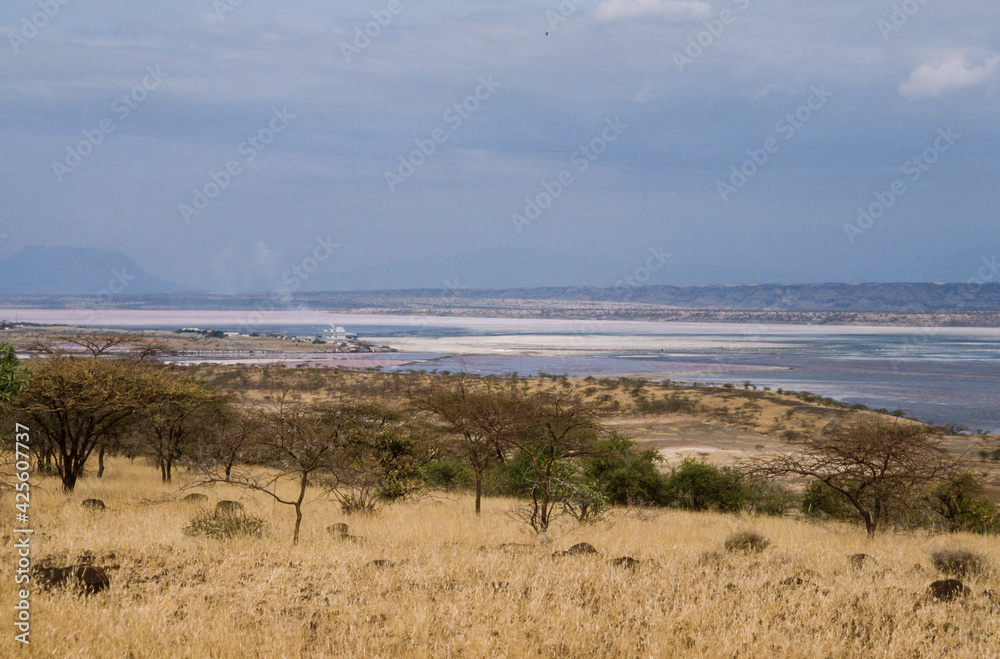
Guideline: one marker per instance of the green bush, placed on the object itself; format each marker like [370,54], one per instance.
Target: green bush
[700,486]
[961,502]
[820,501]
[768,498]
[625,475]
[666,405]
[448,474]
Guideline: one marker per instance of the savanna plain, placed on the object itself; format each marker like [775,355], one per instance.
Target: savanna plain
[427,576]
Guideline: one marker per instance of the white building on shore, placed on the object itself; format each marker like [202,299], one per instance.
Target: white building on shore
[336,334]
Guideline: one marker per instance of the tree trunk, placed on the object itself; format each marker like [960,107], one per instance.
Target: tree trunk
[479,492]
[100,462]
[298,523]
[69,480]
[298,506]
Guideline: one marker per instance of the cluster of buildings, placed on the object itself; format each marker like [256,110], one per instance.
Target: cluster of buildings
[329,335]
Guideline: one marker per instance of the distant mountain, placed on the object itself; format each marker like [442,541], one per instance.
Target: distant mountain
[76,271]
[875,297]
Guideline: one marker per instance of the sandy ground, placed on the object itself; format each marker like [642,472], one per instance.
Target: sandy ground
[679,437]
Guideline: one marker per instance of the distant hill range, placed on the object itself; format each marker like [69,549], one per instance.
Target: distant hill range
[899,297]
[68,277]
[76,271]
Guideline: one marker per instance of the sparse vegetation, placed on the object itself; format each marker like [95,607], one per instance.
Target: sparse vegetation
[222,525]
[961,563]
[247,597]
[747,542]
[332,443]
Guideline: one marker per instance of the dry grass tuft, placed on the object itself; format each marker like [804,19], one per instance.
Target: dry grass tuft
[959,562]
[747,542]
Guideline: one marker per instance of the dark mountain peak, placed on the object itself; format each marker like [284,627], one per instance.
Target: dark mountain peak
[39,270]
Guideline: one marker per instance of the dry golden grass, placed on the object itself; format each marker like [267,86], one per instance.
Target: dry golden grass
[453,592]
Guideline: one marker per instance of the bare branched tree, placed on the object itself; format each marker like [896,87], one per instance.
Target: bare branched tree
[98,345]
[877,465]
[479,420]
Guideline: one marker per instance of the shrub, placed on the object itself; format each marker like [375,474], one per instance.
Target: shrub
[582,501]
[448,474]
[666,405]
[960,501]
[700,486]
[820,501]
[747,542]
[225,525]
[959,562]
[769,498]
[625,475]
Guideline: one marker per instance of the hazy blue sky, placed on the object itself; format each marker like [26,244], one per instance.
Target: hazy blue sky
[115,119]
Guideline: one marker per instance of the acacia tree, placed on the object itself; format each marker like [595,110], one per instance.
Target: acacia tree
[553,430]
[183,410]
[76,403]
[98,345]
[290,446]
[878,466]
[479,420]
[226,440]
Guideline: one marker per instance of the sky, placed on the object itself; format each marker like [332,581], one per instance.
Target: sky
[302,145]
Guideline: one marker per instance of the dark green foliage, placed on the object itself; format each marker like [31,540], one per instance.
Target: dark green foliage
[13,377]
[513,476]
[700,486]
[768,498]
[448,474]
[393,460]
[820,501]
[626,475]
[961,502]
[666,405]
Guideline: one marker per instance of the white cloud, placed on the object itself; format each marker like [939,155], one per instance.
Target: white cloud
[611,10]
[951,73]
